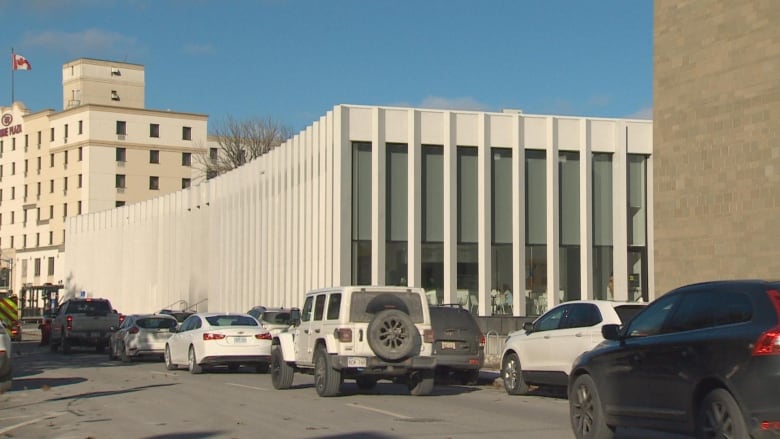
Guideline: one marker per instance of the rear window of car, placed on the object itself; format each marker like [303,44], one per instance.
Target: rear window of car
[452,317]
[230,320]
[365,304]
[95,307]
[276,317]
[156,323]
[627,312]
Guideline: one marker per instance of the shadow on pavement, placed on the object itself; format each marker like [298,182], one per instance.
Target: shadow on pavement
[44,383]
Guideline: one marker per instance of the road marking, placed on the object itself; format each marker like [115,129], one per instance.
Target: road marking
[247,387]
[384,412]
[32,421]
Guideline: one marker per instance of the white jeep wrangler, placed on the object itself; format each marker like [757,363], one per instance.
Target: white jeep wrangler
[365,333]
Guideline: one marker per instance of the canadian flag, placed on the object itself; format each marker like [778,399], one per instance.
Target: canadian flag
[20,62]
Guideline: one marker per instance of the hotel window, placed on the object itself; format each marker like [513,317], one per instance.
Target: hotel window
[1,146]
[51,160]
[536,231]
[186,159]
[25,195]
[39,139]
[26,142]
[65,184]
[1,171]
[51,211]
[501,229]
[38,189]
[65,158]
[213,152]
[81,178]
[13,144]
[121,154]
[361,213]
[64,210]
[154,130]
[119,204]
[637,227]
[36,266]
[13,217]
[154,156]
[66,131]
[51,134]
[51,266]
[81,127]
[25,167]
[602,226]
[185,183]
[13,192]
[121,127]
[13,168]
[81,153]
[37,239]
[78,212]
[154,183]
[569,233]
[397,211]
[38,161]
[432,216]
[51,238]
[120,181]
[467,258]
[51,186]
[186,133]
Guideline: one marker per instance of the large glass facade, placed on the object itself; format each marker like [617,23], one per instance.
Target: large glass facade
[397,199]
[501,229]
[602,227]
[468,209]
[432,201]
[569,208]
[637,227]
[361,213]
[535,232]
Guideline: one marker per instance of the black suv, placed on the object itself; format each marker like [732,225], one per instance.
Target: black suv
[458,345]
[703,359]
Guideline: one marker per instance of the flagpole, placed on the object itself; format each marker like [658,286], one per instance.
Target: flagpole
[13,64]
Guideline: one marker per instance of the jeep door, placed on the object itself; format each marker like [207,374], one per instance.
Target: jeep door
[303,354]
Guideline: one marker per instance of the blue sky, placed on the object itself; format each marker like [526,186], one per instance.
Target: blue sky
[293,60]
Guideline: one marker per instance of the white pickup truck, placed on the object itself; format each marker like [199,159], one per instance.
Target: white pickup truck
[83,322]
[365,333]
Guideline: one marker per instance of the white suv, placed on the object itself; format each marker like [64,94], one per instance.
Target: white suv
[542,352]
[365,333]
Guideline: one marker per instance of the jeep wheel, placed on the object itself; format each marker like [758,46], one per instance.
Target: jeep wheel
[327,380]
[281,372]
[421,382]
[365,382]
[393,336]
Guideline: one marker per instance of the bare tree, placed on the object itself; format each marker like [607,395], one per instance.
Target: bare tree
[240,141]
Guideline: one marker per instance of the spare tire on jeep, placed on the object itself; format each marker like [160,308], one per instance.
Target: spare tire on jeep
[393,336]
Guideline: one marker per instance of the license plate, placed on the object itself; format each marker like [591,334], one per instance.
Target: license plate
[239,340]
[448,345]
[356,362]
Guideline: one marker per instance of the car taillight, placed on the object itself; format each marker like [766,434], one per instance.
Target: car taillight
[264,336]
[769,342]
[343,335]
[428,336]
[212,336]
[482,340]
[770,425]
[69,323]
[121,318]
[133,330]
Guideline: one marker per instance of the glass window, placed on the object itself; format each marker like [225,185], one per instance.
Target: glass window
[581,315]
[154,183]
[154,130]
[186,133]
[121,154]
[121,127]
[120,180]
[550,321]
[651,320]
[232,320]
[154,156]
[334,306]
[306,312]
[156,323]
[319,307]
[361,213]
[397,199]
[432,204]
[569,204]
[185,183]
[186,159]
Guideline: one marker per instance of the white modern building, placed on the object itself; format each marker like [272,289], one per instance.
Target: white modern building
[458,202]
[102,150]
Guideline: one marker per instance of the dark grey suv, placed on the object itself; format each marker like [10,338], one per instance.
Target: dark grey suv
[701,359]
[458,345]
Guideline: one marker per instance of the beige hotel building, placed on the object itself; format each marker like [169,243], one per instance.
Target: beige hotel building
[102,150]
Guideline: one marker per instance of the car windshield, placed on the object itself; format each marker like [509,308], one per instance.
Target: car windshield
[276,317]
[231,320]
[627,312]
[156,323]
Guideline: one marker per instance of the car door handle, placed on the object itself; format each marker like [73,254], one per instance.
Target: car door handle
[317,331]
[546,336]
[579,334]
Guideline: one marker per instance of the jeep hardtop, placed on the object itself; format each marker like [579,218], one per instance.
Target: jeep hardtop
[365,333]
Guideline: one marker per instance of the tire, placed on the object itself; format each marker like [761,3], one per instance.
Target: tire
[65,345]
[123,354]
[53,347]
[720,416]
[327,380]
[585,411]
[512,374]
[233,367]
[393,336]
[281,372]
[365,382]
[421,382]
[192,362]
[167,356]
[262,368]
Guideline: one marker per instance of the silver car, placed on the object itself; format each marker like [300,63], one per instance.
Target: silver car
[141,335]
[275,320]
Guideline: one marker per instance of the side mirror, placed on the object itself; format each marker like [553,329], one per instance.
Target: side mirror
[295,316]
[528,327]
[610,332]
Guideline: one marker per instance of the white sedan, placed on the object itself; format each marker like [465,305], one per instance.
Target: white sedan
[5,359]
[542,352]
[219,339]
